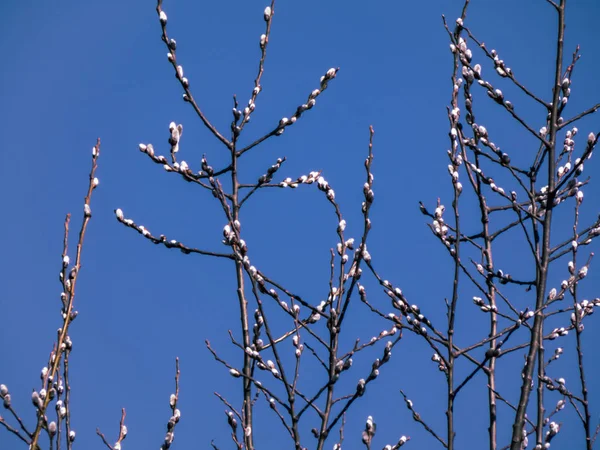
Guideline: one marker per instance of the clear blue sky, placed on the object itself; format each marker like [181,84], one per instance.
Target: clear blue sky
[74,71]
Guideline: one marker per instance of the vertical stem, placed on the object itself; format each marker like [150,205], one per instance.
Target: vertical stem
[239,274]
[491,373]
[584,391]
[539,432]
[451,317]
[333,343]
[542,271]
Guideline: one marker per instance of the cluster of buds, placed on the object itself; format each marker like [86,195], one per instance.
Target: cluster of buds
[269,366]
[470,74]
[312,97]
[257,327]
[501,68]
[181,167]
[174,138]
[436,358]
[440,229]
[173,420]
[583,271]
[61,409]
[525,435]
[541,209]
[348,244]
[368,193]
[179,75]
[162,239]
[453,171]
[229,235]
[246,112]
[557,352]
[524,316]
[253,272]
[169,437]
[232,421]
[369,431]
[300,347]
[355,271]
[206,168]
[416,323]
[569,143]
[483,138]
[323,185]
[484,306]
[554,428]
[563,170]
[129,222]
[559,386]
[403,440]
[495,94]
[304,179]
[267,15]
[332,321]
[149,150]
[582,309]
[267,177]
[361,253]
[5,396]
[398,300]
[455,115]
[387,353]
[386,333]
[252,353]
[558,332]
[67,345]
[504,278]
[340,366]
[315,316]
[464,53]
[566,87]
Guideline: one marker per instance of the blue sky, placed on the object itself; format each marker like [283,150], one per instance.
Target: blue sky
[80,70]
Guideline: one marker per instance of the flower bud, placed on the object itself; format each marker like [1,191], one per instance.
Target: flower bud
[268,13]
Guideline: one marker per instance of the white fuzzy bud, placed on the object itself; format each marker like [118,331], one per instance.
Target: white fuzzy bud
[591,138]
[268,13]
